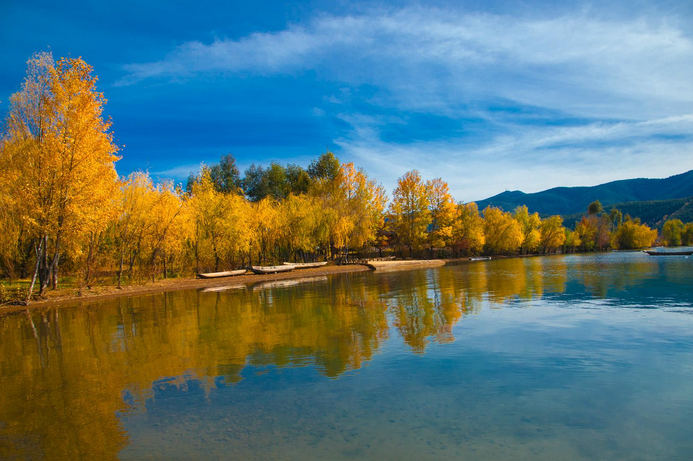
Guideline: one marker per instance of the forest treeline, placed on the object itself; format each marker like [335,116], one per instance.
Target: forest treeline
[66,211]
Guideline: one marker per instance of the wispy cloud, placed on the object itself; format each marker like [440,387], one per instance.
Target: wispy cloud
[433,59]
[532,159]
[625,85]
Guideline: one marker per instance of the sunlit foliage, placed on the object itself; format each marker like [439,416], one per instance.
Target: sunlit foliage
[65,207]
[631,235]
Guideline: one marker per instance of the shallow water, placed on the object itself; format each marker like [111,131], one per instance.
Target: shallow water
[562,357]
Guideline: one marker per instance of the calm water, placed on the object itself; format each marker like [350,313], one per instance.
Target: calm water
[575,357]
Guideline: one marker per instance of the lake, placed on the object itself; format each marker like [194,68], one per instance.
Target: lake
[559,357]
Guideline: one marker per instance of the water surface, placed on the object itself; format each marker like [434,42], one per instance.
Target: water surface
[562,357]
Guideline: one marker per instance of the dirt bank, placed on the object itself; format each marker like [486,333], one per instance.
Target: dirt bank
[67,296]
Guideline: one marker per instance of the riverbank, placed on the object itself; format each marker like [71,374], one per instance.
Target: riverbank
[67,296]
[70,295]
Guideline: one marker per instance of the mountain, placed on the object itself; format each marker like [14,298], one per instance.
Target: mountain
[567,201]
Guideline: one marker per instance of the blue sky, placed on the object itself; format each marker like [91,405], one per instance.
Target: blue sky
[490,96]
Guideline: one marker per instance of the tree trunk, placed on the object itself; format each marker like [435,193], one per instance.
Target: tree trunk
[165,268]
[54,264]
[39,250]
[120,267]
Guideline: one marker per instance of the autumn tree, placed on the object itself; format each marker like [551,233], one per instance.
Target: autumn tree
[443,213]
[409,214]
[222,224]
[58,156]
[631,235]
[468,229]
[361,203]
[671,232]
[552,234]
[503,233]
[572,240]
[530,223]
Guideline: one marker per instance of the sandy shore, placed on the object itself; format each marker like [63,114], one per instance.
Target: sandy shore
[70,296]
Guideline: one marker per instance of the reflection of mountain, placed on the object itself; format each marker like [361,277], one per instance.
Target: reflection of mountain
[64,379]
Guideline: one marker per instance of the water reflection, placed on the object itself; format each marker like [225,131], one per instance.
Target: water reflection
[67,374]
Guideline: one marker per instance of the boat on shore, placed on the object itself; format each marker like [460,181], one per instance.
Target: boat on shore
[306,265]
[669,253]
[215,275]
[272,269]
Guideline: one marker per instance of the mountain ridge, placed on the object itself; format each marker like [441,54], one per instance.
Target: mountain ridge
[572,200]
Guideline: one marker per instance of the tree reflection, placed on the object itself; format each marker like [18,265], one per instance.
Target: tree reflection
[66,374]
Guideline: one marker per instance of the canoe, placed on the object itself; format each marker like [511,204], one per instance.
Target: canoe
[669,253]
[480,258]
[272,269]
[214,275]
[306,265]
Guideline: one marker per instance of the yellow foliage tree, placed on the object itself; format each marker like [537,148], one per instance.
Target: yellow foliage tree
[631,235]
[552,233]
[468,229]
[530,223]
[410,215]
[503,233]
[58,157]
[443,213]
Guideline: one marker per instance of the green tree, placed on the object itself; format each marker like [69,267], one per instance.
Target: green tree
[595,208]
[326,167]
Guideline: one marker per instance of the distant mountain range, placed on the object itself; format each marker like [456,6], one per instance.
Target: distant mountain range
[653,200]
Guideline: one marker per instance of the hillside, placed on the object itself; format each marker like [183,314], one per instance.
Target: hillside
[568,201]
[653,212]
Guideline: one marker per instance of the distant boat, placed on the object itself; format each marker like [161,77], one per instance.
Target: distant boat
[306,265]
[669,253]
[480,258]
[272,269]
[215,275]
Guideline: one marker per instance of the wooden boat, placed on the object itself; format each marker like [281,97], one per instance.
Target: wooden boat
[306,265]
[214,275]
[669,253]
[272,269]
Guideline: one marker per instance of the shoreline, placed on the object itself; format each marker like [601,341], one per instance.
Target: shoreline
[184,283]
[97,293]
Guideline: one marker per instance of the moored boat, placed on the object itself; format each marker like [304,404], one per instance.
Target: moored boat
[669,253]
[272,269]
[214,275]
[306,265]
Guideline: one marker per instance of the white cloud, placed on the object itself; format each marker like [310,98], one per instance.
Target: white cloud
[530,159]
[430,59]
[633,74]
